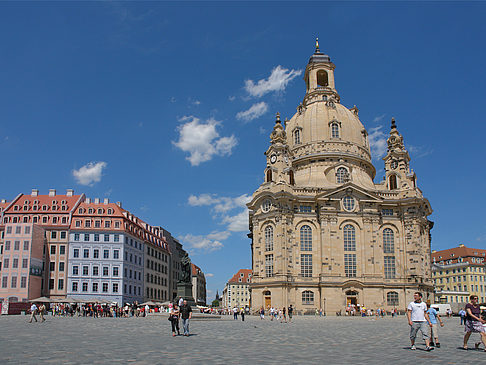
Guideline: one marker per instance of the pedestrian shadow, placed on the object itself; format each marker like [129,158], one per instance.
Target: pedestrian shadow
[192,334]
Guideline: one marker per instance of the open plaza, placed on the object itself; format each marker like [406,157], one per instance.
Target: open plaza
[308,339]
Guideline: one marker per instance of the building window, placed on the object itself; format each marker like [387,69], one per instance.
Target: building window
[86,253]
[306,238]
[297,139]
[85,270]
[106,254]
[95,287]
[96,237]
[86,236]
[26,245]
[95,270]
[268,266]
[4,281]
[85,287]
[307,297]
[306,265]
[52,266]
[14,282]
[27,230]
[387,212]
[17,245]
[305,209]
[105,288]
[389,267]
[76,252]
[105,270]
[61,266]
[60,284]
[393,182]
[348,203]
[334,130]
[75,287]
[349,238]
[51,284]
[342,175]
[23,282]
[350,265]
[25,263]
[268,238]
[76,236]
[96,254]
[6,263]
[266,206]
[75,270]
[116,238]
[106,238]
[7,245]
[388,241]
[392,298]
[115,288]
[115,271]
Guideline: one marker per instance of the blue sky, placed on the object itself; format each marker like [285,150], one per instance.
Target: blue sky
[168,107]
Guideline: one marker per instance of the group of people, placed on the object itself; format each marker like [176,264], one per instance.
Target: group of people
[423,318]
[34,310]
[177,311]
[279,314]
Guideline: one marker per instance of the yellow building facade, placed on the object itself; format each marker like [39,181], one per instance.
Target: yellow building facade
[324,234]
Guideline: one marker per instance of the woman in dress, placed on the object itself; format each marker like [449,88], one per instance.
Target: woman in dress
[474,322]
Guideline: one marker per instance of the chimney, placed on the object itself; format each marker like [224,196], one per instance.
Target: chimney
[35,192]
[106,201]
[4,200]
[70,192]
[97,200]
[52,192]
[88,200]
[119,204]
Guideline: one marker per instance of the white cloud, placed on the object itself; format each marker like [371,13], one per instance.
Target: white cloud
[237,223]
[90,173]
[231,98]
[172,99]
[255,111]
[220,236]
[277,81]
[419,151]
[221,204]
[202,140]
[262,130]
[378,143]
[209,275]
[378,118]
[201,242]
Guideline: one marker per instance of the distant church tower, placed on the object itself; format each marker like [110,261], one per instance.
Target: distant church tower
[324,235]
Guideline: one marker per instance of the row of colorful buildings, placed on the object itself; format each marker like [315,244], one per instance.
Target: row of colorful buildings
[71,246]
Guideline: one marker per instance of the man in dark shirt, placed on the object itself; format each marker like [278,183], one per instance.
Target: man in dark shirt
[186,314]
[291,312]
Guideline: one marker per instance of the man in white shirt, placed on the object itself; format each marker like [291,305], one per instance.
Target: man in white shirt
[33,311]
[418,319]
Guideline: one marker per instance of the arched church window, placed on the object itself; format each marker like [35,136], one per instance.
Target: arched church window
[393,182]
[342,175]
[297,139]
[349,238]
[334,130]
[392,298]
[307,297]
[268,238]
[269,175]
[322,79]
[306,238]
[388,241]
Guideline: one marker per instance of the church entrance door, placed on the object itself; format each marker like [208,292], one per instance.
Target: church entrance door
[351,300]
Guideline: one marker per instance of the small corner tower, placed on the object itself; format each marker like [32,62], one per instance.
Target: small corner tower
[278,165]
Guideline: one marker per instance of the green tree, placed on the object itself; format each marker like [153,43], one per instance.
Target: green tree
[215,303]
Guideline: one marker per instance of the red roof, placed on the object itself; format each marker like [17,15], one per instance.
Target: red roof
[25,204]
[470,255]
[243,274]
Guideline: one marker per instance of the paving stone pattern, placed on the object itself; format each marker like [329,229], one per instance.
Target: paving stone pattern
[310,340]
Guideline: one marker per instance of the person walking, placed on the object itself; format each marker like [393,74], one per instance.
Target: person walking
[174,319]
[235,313]
[42,309]
[272,313]
[434,329]
[33,312]
[262,313]
[474,323]
[186,314]
[284,313]
[462,314]
[242,314]
[418,319]
[291,313]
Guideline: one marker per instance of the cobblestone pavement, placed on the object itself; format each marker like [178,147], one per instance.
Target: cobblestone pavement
[331,340]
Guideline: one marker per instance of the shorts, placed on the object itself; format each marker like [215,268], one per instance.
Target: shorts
[434,332]
[423,327]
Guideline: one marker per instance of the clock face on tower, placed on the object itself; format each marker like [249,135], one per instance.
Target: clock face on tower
[394,164]
[273,158]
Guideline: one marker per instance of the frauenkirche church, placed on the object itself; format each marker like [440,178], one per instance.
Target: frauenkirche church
[324,235]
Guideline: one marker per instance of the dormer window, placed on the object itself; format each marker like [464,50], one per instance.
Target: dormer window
[322,79]
[297,137]
[334,130]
